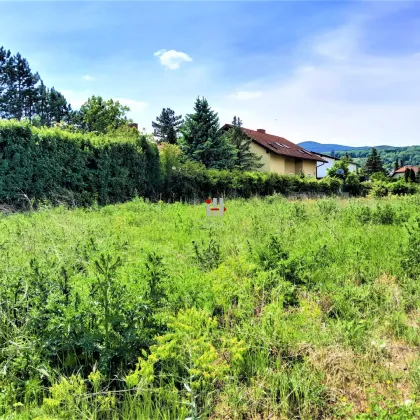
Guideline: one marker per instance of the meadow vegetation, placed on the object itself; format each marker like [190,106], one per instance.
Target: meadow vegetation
[280,309]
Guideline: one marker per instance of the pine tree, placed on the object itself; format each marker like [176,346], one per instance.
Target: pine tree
[374,163]
[202,140]
[20,95]
[41,106]
[5,68]
[24,95]
[166,126]
[58,108]
[396,165]
[244,159]
[4,60]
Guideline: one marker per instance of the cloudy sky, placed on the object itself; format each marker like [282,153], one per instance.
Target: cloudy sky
[342,72]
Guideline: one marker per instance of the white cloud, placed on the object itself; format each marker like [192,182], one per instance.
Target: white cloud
[88,78]
[76,98]
[172,59]
[340,44]
[137,110]
[340,93]
[135,106]
[245,94]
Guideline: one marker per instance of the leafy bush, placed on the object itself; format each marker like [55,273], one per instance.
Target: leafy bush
[379,189]
[400,187]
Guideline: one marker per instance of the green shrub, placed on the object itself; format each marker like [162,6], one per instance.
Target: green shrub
[379,189]
[400,187]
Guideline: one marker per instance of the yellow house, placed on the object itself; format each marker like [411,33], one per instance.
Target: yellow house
[280,155]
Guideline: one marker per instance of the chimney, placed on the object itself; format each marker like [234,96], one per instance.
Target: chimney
[134,125]
[261,130]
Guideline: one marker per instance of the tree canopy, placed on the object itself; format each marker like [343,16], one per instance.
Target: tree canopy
[101,115]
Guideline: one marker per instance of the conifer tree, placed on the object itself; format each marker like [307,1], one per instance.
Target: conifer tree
[396,165]
[4,63]
[5,69]
[244,159]
[202,140]
[21,91]
[42,105]
[58,108]
[24,95]
[166,126]
[374,163]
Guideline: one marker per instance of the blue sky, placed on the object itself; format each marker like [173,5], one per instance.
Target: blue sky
[345,72]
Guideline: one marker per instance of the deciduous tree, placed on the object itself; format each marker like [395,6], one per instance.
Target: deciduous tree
[101,115]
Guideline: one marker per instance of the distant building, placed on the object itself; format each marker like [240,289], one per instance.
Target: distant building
[280,155]
[322,168]
[400,173]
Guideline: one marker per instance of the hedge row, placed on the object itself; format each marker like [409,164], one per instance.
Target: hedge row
[192,182]
[56,165]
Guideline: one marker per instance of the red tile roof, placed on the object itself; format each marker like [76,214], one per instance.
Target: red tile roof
[278,145]
[402,170]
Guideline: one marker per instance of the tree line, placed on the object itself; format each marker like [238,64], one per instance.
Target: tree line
[201,139]
[24,96]
[392,157]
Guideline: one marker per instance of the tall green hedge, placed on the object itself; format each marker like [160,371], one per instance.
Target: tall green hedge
[57,165]
[190,181]
[51,164]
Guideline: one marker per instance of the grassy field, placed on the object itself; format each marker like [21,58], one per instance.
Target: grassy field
[278,310]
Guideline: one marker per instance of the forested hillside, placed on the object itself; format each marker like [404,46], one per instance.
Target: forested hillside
[409,155]
[406,155]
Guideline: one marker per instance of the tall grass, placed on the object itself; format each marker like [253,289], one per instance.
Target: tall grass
[280,309]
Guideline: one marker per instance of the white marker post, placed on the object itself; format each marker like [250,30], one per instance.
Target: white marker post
[212,209]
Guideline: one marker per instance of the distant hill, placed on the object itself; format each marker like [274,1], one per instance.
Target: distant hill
[407,155]
[327,148]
